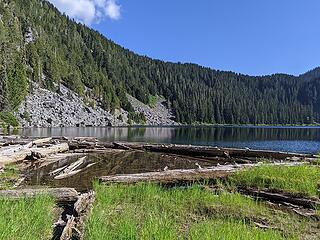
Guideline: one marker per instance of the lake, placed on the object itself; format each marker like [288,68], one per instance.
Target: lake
[288,139]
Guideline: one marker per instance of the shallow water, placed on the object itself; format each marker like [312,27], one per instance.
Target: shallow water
[111,164]
[288,139]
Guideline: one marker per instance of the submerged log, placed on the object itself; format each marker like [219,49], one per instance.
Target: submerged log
[281,197]
[74,172]
[221,152]
[211,152]
[61,195]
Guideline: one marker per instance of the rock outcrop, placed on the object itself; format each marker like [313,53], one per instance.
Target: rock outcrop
[157,115]
[44,108]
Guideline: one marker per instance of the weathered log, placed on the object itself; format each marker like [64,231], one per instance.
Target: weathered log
[68,169]
[13,149]
[220,152]
[184,175]
[41,141]
[61,195]
[44,152]
[15,157]
[74,228]
[179,175]
[15,153]
[281,197]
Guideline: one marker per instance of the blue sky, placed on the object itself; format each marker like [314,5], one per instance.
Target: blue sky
[255,37]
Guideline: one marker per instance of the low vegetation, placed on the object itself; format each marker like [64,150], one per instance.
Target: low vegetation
[135,117]
[8,119]
[147,211]
[8,176]
[26,219]
[301,180]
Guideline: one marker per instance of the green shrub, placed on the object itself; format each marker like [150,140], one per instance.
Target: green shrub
[9,119]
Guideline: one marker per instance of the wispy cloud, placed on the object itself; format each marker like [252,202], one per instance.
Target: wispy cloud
[89,11]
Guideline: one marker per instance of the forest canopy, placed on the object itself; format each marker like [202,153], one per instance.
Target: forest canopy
[40,45]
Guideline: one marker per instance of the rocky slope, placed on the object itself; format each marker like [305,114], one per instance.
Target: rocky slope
[44,108]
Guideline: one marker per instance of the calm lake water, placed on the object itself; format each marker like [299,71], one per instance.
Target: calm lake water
[291,139]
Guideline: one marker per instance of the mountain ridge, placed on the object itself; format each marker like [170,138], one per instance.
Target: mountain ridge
[53,49]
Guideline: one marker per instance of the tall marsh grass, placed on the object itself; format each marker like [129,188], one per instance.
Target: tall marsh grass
[301,180]
[147,211]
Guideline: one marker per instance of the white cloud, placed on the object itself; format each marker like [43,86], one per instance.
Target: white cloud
[89,11]
[112,9]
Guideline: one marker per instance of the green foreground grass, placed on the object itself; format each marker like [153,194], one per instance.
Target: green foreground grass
[147,211]
[300,180]
[26,219]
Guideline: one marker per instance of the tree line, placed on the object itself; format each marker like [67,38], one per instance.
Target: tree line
[41,45]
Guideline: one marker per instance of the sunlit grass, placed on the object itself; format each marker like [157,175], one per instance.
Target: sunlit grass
[147,211]
[301,180]
[26,219]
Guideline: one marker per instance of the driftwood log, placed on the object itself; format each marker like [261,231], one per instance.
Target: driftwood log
[172,176]
[182,175]
[14,153]
[61,195]
[44,152]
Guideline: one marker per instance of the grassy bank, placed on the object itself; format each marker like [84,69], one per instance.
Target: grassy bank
[26,219]
[300,180]
[147,211]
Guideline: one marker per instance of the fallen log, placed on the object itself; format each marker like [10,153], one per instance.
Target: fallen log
[179,175]
[182,175]
[15,153]
[281,197]
[7,151]
[15,157]
[197,151]
[44,152]
[61,195]
[74,228]
[41,141]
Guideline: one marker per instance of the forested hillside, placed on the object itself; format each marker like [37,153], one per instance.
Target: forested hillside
[38,44]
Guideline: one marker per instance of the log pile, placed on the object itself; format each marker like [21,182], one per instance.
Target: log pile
[35,149]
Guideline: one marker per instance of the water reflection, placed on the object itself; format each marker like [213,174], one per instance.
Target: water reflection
[111,164]
[294,139]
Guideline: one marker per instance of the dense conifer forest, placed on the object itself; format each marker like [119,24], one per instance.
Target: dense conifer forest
[40,45]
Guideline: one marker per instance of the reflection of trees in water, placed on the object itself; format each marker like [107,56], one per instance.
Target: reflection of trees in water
[245,134]
[180,134]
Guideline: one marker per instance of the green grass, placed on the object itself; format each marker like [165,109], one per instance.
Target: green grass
[147,211]
[26,219]
[300,180]
[8,176]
